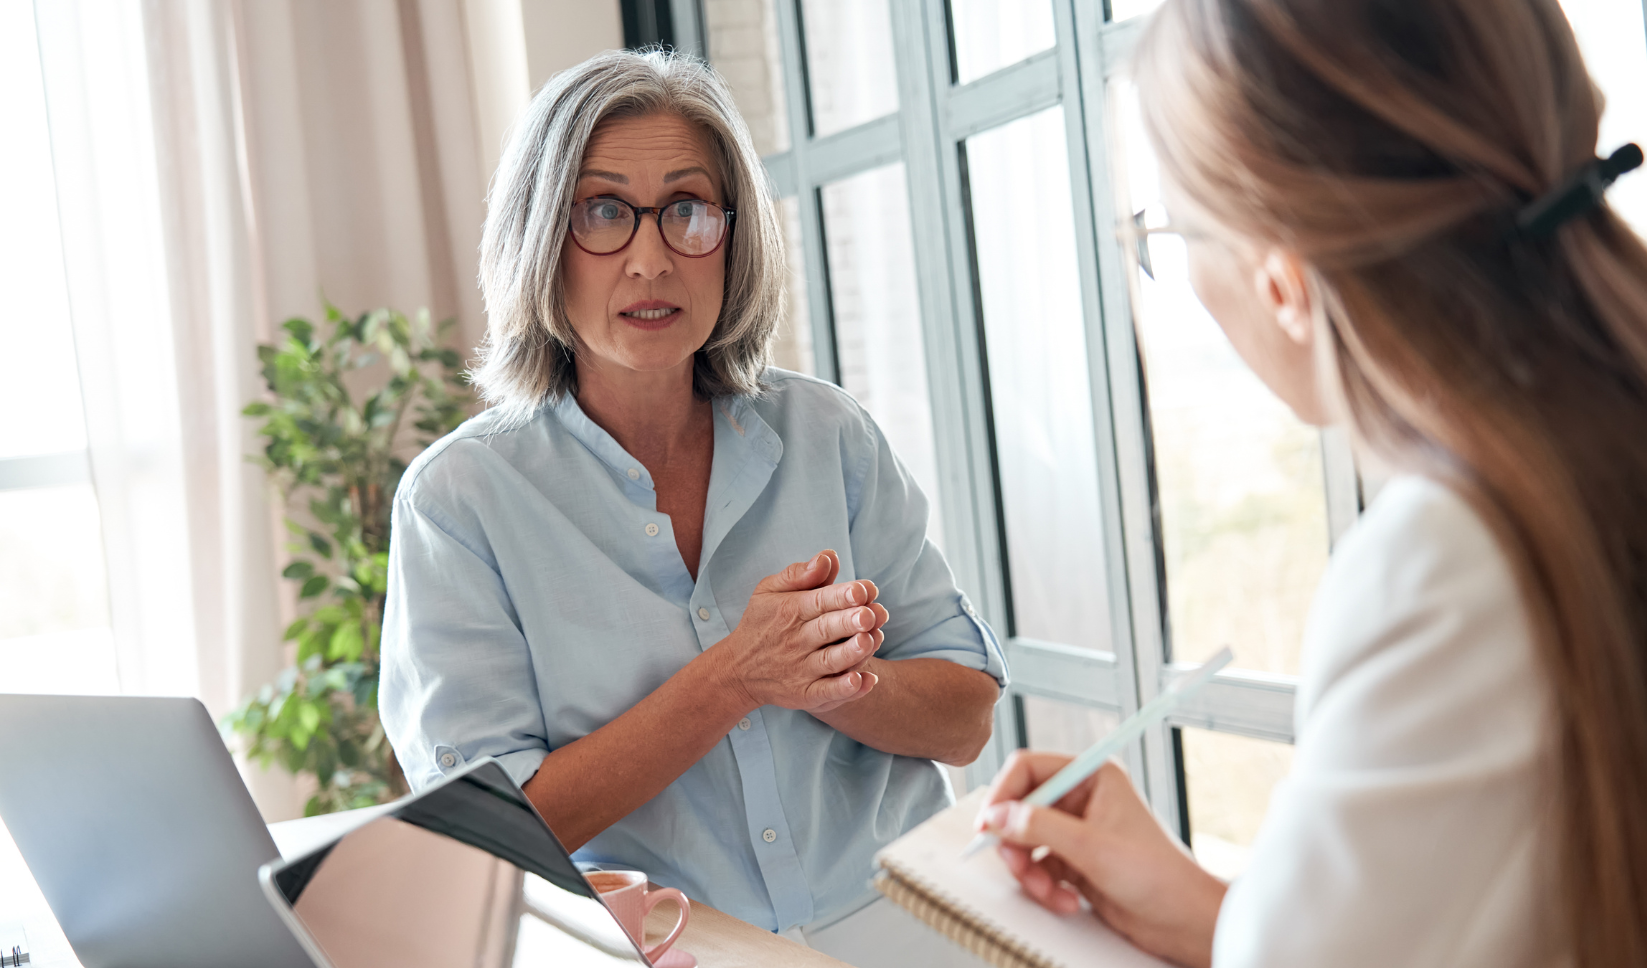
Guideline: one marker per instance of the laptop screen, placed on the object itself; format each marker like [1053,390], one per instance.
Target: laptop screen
[466,874]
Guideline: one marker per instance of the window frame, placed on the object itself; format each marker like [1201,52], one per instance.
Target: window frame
[928,135]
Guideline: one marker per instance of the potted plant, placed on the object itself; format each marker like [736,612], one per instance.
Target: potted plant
[337,464]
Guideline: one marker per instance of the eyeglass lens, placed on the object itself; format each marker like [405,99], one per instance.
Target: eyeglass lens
[691,226]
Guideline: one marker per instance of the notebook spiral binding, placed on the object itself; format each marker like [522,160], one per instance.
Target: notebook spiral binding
[956,921]
[14,958]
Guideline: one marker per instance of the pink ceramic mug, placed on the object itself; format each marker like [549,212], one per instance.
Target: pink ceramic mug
[629,898]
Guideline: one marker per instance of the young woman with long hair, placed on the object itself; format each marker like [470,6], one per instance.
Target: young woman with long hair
[1395,210]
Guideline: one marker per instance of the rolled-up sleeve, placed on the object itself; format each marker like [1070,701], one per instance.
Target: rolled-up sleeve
[457,679]
[929,617]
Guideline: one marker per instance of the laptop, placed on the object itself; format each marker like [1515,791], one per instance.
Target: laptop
[136,825]
[466,873]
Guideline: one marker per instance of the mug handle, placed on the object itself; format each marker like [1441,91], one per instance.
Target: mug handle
[656,896]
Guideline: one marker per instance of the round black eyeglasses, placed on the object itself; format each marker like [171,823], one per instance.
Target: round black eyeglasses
[691,226]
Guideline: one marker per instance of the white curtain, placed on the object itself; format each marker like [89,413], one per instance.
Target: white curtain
[104,158]
[221,166]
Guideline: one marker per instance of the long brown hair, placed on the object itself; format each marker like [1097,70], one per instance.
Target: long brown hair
[1391,143]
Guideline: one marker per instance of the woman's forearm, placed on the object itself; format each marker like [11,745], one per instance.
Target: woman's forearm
[931,708]
[589,784]
[780,654]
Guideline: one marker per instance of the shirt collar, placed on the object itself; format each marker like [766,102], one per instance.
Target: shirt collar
[740,433]
[747,451]
[600,443]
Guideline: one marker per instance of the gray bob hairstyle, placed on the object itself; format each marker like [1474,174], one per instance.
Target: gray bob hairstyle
[530,349]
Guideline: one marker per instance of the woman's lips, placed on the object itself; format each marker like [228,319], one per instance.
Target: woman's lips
[651,314]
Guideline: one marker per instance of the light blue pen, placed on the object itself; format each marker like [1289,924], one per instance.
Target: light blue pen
[1099,753]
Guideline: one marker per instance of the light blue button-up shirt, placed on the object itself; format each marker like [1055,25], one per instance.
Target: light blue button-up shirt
[536,593]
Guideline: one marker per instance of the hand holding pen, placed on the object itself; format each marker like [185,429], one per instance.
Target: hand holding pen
[1075,827]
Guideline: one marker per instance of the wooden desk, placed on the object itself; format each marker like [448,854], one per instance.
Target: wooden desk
[718,940]
[722,941]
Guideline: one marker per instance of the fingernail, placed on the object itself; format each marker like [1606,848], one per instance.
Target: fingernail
[813,563]
[995,817]
[873,679]
[855,594]
[866,620]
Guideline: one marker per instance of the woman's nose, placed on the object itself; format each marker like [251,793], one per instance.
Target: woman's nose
[648,257]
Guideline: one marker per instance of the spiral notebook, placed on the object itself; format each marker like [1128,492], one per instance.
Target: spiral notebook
[977,904]
[14,947]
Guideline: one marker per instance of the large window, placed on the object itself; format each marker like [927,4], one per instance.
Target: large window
[951,191]
[54,610]
[1111,485]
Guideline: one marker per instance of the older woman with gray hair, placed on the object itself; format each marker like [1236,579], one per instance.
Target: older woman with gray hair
[685,598]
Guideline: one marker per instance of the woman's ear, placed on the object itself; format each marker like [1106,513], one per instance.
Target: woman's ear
[1283,288]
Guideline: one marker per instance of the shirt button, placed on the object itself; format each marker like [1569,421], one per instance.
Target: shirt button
[634,474]
[967,608]
[743,723]
[448,760]
[651,531]
[703,613]
[769,835]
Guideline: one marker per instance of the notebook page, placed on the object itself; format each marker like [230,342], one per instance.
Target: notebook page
[982,885]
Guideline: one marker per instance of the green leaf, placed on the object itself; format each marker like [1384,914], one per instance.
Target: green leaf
[320,544]
[365,692]
[308,717]
[325,511]
[330,615]
[310,644]
[314,586]
[295,629]
[301,329]
[256,408]
[347,643]
[298,571]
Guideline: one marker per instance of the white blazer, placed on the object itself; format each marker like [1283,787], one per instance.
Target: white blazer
[1416,828]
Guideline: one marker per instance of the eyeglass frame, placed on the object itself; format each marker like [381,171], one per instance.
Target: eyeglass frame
[1138,233]
[657,213]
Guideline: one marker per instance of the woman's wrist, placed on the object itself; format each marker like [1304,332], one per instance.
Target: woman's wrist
[1188,941]
[718,682]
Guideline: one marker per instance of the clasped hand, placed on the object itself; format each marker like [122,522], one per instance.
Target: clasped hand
[804,641]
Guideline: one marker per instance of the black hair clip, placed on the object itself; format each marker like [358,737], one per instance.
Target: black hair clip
[1578,194]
